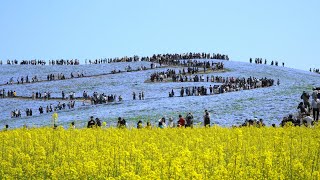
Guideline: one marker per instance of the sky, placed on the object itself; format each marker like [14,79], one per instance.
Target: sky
[286,30]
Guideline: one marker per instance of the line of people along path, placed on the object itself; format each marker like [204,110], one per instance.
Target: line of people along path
[60,76]
[154,57]
[229,85]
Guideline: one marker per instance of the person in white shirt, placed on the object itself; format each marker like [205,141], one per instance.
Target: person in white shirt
[308,120]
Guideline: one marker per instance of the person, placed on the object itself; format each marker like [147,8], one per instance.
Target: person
[302,108]
[119,122]
[205,112]
[181,121]
[305,97]
[72,125]
[123,123]
[54,118]
[171,123]
[149,126]
[91,123]
[260,123]
[98,122]
[162,122]
[206,119]
[189,119]
[139,124]
[307,120]
[6,127]
[315,109]
[134,95]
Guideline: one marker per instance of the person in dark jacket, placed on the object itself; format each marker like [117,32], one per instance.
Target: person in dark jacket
[91,123]
[206,119]
[189,119]
[98,122]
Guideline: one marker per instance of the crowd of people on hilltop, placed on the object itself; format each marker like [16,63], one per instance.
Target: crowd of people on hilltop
[229,85]
[164,58]
[315,70]
[25,62]
[260,61]
[64,62]
[43,62]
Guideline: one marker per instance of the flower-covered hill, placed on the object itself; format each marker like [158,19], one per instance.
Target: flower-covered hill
[270,104]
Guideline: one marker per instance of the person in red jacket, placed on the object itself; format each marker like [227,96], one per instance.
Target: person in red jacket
[181,121]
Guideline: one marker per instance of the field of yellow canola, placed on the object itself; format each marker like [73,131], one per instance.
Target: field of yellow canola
[199,153]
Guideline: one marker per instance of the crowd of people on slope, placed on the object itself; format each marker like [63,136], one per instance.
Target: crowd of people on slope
[177,76]
[187,121]
[315,70]
[9,93]
[308,113]
[50,77]
[229,85]
[260,61]
[140,68]
[15,113]
[38,95]
[101,98]
[61,76]
[140,95]
[60,106]
[49,108]
[22,80]
[254,123]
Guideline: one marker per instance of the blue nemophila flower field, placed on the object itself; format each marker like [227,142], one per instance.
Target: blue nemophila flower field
[270,104]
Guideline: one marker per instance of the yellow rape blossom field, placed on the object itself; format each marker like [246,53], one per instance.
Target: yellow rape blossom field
[198,153]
